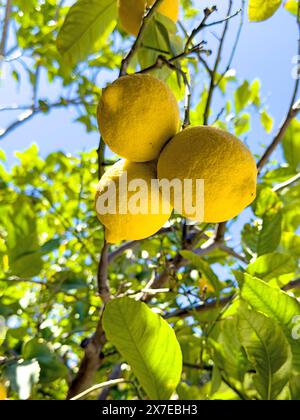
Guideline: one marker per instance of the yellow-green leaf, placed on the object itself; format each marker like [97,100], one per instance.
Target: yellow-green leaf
[86,23]
[147,343]
[292,6]
[277,305]
[259,10]
[267,121]
[268,350]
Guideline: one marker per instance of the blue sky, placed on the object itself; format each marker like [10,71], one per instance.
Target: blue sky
[265,52]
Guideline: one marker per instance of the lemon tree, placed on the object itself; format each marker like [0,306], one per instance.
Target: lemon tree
[124,306]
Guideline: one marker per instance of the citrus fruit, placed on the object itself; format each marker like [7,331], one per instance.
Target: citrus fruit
[224,163]
[128,205]
[137,115]
[3,393]
[131,12]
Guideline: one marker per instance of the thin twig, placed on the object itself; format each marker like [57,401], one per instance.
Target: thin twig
[293,110]
[279,136]
[146,20]
[103,287]
[236,43]
[212,85]
[219,22]
[202,307]
[115,374]
[30,113]
[4,37]
[207,12]
[162,60]
[287,183]
[106,384]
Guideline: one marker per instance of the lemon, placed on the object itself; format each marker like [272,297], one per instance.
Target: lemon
[132,212]
[137,115]
[3,393]
[169,8]
[131,12]
[221,160]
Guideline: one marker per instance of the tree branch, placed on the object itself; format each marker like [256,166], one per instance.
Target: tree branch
[5,28]
[30,112]
[293,110]
[294,284]
[287,183]
[146,20]
[207,12]
[103,286]
[217,303]
[202,307]
[106,384]
[212,85]
[91,362]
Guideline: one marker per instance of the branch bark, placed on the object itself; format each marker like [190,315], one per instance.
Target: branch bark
[5,28]
[91,362]
[213,85]
[293,110]
[30,112]
[292,113]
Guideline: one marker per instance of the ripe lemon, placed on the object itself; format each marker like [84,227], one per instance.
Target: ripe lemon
[169,8]
[137,115]
[122,184]
[221,160]
[3,393]
[131,12]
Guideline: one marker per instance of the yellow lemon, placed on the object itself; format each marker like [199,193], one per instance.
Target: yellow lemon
[221,160]
[137,115]
[169,8]
[3,393]
[131,12]
[129,203]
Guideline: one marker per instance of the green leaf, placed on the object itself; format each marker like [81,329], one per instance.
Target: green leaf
[291,144]
[266,203]
[22,377]
[255,93]
[203,267]
[270,234]
[270,266]
[259,10]
[242,96]
[50,246]
[267,121]
[188,392]
[51,366]
[275,304]
[242,124]
[87,23]
[2,155]
[290,243]
[295,387]
[268,350]
[292,6]
[3,329]
[22,239]
[147,343]
[228,352]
